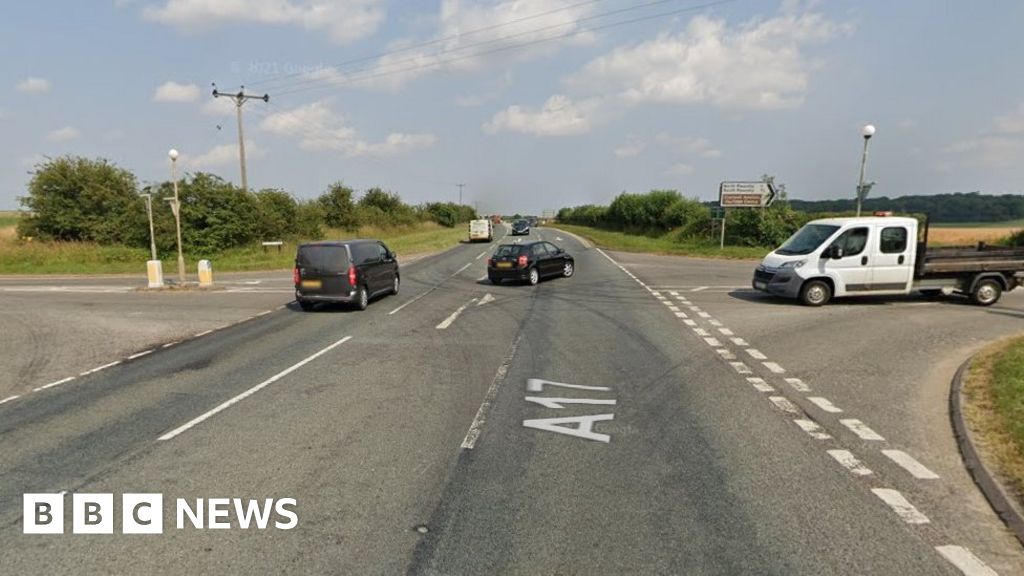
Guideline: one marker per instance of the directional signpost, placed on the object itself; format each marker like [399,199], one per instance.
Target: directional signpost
[743,195]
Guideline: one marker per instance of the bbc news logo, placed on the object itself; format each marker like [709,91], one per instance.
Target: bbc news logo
[144,513]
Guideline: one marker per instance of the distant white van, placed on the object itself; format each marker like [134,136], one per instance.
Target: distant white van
[480,230]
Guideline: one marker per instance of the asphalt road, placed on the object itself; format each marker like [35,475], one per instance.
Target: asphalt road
[581,426]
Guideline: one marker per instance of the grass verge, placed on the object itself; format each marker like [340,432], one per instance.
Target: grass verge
[663,244]
[19,257]
[994,408]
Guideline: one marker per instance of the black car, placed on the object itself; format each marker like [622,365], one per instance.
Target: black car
[346,271]
[521,228]
[529,262]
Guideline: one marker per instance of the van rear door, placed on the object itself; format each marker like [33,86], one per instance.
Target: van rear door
[323,269]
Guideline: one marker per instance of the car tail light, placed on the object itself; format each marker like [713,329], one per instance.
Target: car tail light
[490,262]
[296,276]
[522,261]
[351,275]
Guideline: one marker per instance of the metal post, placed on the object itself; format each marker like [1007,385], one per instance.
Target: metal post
[152,236]
[860,185]
[241,142]
[177,221]
[721,243]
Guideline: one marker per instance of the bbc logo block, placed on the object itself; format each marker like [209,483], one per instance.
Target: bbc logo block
[93,514]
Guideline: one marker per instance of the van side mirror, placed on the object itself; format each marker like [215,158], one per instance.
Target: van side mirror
[835,252]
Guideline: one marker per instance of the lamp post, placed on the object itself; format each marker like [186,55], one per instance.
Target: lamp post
[862,190]
[176,208]
[149,214]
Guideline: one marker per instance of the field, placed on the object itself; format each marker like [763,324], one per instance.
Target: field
[963,235]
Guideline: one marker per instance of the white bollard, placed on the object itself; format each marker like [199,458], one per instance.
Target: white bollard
[155,273]
[205,273]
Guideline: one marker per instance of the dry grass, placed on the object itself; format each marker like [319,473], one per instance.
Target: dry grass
[992,393]
[967,236]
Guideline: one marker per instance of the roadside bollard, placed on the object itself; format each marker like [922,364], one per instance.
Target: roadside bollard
[155,273]
[205,273]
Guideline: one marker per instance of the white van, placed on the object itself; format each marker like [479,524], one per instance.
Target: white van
[481,230]
[881,255]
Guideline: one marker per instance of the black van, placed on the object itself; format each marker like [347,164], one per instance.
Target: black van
[344,271]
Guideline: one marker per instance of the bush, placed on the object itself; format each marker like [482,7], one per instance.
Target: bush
[447,214]
[384,209]
[277,214]
[338,208]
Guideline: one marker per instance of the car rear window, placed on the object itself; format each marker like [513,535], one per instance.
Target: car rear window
[507,250]
[326,258]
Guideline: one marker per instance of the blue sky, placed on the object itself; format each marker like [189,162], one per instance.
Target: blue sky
[533,104]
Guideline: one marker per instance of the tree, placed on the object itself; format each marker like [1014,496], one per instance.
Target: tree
[339,210]
[277,214]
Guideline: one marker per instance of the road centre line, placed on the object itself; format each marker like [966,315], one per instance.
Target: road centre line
[910,464]
[9,398]
[454,315]
[476,426]
[481,255]
[825,404]
[52,384]
[431,289]
[965,561]
[861,430]
[900,505]
[236,399]
[850,462]
[98,368]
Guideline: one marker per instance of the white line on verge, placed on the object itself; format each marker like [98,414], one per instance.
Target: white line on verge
[98,368]
[52,384]
[140,354]
[860,429]
[850,462]
[9,398]
[964,560]
[227,404]
[203,333]
[910,464]
[481,414]
[900,505]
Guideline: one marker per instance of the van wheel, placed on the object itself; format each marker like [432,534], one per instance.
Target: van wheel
[306,305]
[534,276]
[362,298]
[987,292]
[396,286]
[815,293]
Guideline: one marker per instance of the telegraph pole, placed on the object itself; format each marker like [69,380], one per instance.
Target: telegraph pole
[460,185]
[240,99]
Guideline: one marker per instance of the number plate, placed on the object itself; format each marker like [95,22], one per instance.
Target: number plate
[314,284]
[760,285]
[504,264]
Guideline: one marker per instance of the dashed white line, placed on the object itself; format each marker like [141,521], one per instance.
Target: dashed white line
[701,332]
[203,333]
[695,308]
[98,368]
[264,313]
[965,561]
[140,354]
[699,289]
[481,255]
[703,314]
[860,429]
[454,315]
[738,341]
[760,385]
[825,404]
[756,354]
[910,464]
[674,308]
[713,342]
[199,419]
[169,344]
[52,384]
[714,323]
[812,428]
[492,392]
[725,331]
[435,287]
[681,315]
[798,385]
[672,293]
[774,367]
[725,353]
[850,462]
[690,323]
[740,367]
[900,505]
[783,403]
[9,398]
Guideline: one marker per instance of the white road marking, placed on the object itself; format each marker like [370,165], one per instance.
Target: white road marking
[774,367]
[52,384]
[703,314]
[860,429]
[701,332]
[725,353]
[681,315]
[169,344]
[481,255]
[756,354]
[690,323]
[783,403]
[739,341]
[713,342]
[760,384]
[140,354]
[486,299]
[9,398]
[725,331]
[798,385]
[203,333]
[655,294]
[537,385]
[492,392]
[695,308]
[741,368]
[482,278]
[674,308]
[98,368]
[225,405]
[900,505]
[910,464]
[825,404]
[714,322]
[584,428]
[671,293]
[965,561]
[451,318]
[559,403]
[431,289]
[699,289]
[264,313]
[850,462]
[812,428]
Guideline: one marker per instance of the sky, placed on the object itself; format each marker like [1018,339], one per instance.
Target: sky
[533,105]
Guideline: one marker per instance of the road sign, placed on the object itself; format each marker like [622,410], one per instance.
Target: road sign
[745,194]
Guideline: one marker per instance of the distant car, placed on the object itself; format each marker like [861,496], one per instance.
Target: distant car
[481,230]
[533,222]
[521,228]
[347,272]
[529,262]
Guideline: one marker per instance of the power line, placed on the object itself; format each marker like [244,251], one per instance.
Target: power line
[240,99]
[320,83]
[426,43]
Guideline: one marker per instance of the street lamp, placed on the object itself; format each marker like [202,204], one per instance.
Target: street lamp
[862,189]
[176,208]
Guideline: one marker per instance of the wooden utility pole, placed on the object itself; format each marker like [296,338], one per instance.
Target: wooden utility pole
[240,99]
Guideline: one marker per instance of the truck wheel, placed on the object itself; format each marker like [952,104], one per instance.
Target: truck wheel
[815,293]
[987,292]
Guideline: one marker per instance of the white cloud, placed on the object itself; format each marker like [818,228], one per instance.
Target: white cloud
[680,169]
[65,134]
[1012,123]
[632,148]
[989,151]
[218,107]
[688,146]
[343,20]
[222,155]
[33,85]
[174,92]
[559,116]
[757,65]
[319,128]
